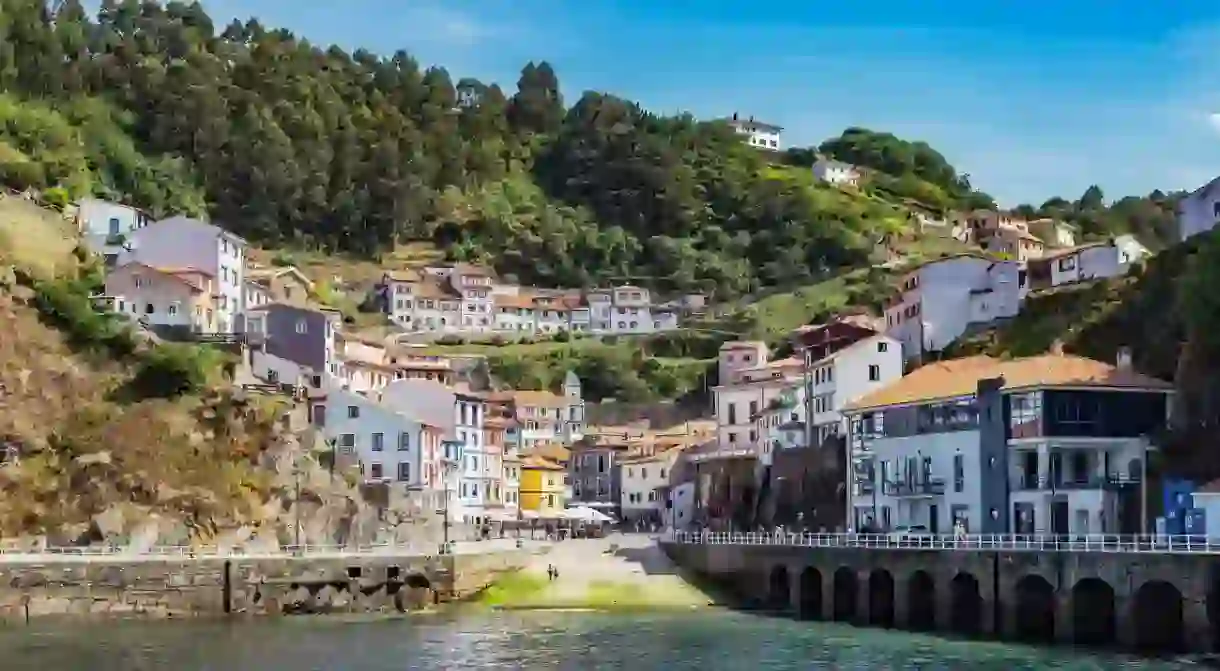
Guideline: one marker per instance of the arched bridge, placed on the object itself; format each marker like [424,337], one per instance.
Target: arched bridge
[1145,593]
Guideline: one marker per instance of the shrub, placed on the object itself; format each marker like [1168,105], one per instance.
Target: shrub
[562,336]
[169,371]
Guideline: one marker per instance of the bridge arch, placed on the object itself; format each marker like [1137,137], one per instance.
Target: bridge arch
[881,598]
[921,601]
[846,590]
[811,594]
[966,603]
[1093,616]
[779,596]
[418,581]
[1035,610]
[1158,617]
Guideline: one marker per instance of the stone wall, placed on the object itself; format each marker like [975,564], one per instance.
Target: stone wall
[1154,601]
[182,587]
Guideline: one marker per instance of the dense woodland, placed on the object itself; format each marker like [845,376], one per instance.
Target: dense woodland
[295,144]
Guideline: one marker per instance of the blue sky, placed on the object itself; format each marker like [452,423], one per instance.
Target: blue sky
[1032,98]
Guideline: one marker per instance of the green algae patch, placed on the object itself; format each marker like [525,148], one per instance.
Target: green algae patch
[514,588]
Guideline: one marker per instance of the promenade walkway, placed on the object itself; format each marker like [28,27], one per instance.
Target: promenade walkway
[1156,544]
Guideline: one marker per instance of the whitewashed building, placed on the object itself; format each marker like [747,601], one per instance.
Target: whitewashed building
[1047,444]
[837,173]
[941,299]
[179,298]
[758,134]
[183,242]
[1096,260]
[545,417]
[105,226]
[640,479]
[1200,211]
[476,467]
[386,444]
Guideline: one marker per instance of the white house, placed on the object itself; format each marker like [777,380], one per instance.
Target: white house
[758,134]
[680,509]
[640,478]
[1095,260]
[476,469]
[386,444]
[168,297]
[105,226]
[837,173]
[1200,211]
[941,298]
[1045,444]
[182,242]
[846,376]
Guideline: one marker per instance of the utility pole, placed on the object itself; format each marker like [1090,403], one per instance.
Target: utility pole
[296,502]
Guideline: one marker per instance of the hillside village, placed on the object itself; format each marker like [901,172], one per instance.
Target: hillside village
[438,430]
[829,328]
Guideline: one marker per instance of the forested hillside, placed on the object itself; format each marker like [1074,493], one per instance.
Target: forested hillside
[296,144]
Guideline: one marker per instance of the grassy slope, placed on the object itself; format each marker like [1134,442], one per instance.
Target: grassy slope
[83,453]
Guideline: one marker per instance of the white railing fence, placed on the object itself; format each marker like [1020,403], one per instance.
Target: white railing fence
[965,543]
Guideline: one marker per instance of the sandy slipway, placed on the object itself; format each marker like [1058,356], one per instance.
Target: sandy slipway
[616,573]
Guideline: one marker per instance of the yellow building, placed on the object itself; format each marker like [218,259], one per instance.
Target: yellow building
[542,486]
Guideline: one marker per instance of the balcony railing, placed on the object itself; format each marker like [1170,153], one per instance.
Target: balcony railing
[931,487]
[1031,482]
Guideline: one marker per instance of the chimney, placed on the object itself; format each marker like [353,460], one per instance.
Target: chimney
[734,116]
[1123,360]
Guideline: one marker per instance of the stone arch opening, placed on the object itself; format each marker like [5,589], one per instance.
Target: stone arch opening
[1035,610]
[845,591]
[966,603]
[778,596]
[811,594]
[1093,617]
[881,598]
[418,581]
[1213,603]
[1158,617]
[921,602]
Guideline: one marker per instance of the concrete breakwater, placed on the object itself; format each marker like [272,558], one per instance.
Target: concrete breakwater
[151,586]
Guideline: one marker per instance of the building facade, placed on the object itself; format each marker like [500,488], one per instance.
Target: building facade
[291,344]
[388,446]
[1200,211]
[1046,444]
[758,134]
[542,487]
[837,173]
[183,242]
[941,299]
[172,298]
[1093,261]
[106,226]
[546,417]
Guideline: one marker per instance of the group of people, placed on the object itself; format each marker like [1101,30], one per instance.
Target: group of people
[552,573]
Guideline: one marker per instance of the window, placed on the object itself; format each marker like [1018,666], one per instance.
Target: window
[732,437]
[874,372]
[662,473]
[631,472]
[1067,263]
[353,412]
[301,328]
[652,497]
[404,441]
[173,309]
[347,440]
[732,413]
[643,472]
[1025,414]
[378,442]
[959,473]
[319,415]
[404,471]
[114,226]
[139,281]
[753,408]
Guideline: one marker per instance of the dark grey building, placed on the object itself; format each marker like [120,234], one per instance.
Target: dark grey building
[291,344]
[596,473]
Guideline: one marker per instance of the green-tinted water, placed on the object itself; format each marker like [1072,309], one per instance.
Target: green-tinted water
[707,641]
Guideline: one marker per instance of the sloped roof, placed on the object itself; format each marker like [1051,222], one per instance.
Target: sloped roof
[960,377]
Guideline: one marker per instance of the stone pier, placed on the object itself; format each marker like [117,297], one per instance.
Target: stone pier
[211,586]
[1142,600]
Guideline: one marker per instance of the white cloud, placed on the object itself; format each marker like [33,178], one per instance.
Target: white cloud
[1214,119]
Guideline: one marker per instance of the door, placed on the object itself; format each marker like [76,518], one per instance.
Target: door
[934,519]
[1059,517]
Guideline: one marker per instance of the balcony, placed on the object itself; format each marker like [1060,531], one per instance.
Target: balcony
[930,487]
[1031,482]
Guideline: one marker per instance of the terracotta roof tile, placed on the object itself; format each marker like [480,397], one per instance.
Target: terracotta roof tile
[540,463]
[520,301]
[960,377]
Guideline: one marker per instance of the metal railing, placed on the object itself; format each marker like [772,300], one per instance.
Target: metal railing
[29,553]
[967,543]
